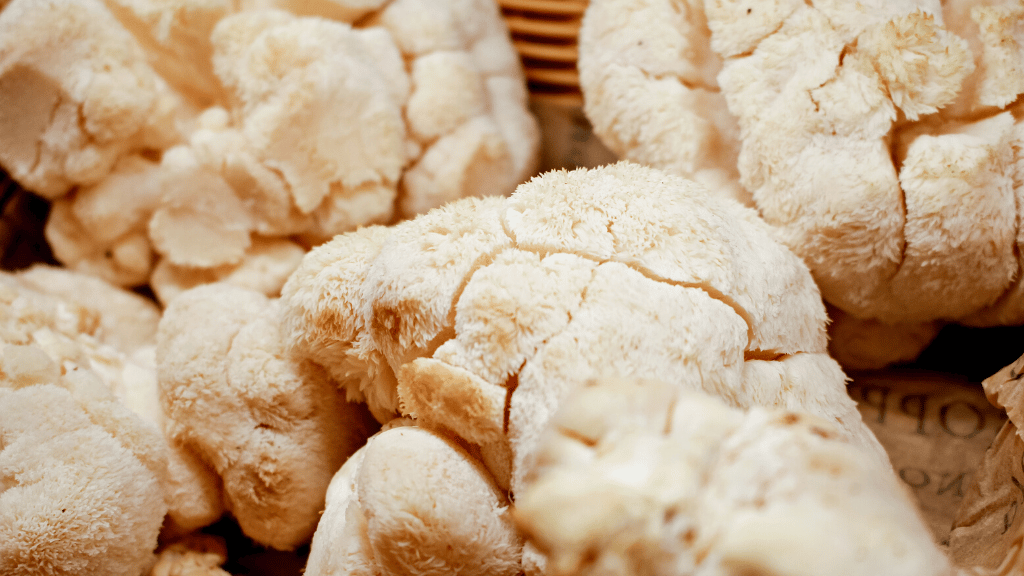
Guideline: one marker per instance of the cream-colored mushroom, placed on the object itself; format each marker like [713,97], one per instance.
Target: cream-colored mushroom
[638,477]
[875,137]
[478,318]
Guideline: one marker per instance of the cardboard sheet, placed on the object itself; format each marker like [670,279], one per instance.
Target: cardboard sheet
[936,428]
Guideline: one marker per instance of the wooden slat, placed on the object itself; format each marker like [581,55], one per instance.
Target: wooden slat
[563,53]
[564,30]
[559,7]
[557,76]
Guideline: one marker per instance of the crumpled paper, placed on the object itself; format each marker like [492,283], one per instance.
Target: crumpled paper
[988,530]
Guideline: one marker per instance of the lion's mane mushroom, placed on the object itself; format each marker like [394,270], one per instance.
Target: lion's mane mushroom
[85,472]
[271,425]
[413,501]
[639,477]
[81,477]
[83,324]
[881,140]
[477,318]
[191,136]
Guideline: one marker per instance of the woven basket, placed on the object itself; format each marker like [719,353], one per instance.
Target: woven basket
[545,33]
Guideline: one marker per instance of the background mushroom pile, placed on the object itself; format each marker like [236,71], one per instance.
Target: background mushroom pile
[309,283]
[190,141]
[881,140]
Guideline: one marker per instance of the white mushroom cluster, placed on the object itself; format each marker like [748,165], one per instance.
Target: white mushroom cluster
[881,140]
[271,427]
[639,477]
[367,330]
[85,473]
[474,321]
[474,335]
[190,141]
[119,425]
